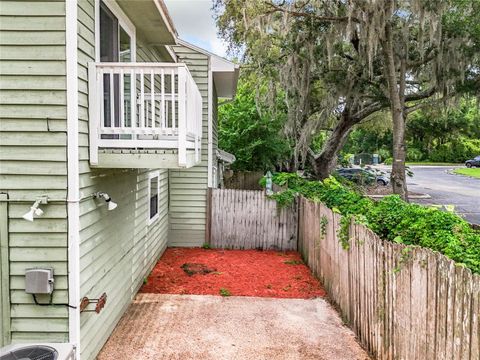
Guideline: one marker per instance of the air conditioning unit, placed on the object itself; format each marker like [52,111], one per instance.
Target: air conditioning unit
[51,351]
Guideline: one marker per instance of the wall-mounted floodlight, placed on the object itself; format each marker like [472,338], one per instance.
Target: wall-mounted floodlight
[110,204]
[35,210]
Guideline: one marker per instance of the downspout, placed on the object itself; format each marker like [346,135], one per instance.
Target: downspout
[210,124]
[73,181]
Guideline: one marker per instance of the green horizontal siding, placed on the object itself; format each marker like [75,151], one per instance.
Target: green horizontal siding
[33,158]
[118,248]
[188,188]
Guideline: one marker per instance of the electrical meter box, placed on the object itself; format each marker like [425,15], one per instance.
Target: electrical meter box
[39,281]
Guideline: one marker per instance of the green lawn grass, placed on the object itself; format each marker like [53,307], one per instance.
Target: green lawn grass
[473,172]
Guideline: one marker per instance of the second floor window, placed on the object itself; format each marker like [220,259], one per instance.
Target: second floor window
[116,45]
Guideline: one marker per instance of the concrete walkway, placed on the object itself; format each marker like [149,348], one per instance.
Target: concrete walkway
[159,326]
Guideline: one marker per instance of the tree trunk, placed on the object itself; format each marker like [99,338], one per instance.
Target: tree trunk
[398,177]
[396,94]
[325,162]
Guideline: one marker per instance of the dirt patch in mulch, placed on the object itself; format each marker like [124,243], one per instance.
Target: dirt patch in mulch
[234,272]
[193,268]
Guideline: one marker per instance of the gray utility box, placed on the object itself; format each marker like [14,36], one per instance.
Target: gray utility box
[39,281]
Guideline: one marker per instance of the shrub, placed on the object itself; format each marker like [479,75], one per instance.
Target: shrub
[391,218]
[384,154]
[456,151]
[414,154]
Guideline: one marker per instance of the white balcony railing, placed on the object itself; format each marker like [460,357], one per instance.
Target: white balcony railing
[144,106]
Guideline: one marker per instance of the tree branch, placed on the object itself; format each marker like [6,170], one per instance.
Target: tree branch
[368,110]
[410,109]
[420,96]
[429,56]
[276,8]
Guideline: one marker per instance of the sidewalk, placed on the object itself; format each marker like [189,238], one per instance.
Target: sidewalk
[161,326]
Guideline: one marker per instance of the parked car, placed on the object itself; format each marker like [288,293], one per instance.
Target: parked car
[364,176]
[475,162]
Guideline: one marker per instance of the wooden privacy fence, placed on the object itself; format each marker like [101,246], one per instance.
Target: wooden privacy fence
[402,302]
[244,180]
[247,219]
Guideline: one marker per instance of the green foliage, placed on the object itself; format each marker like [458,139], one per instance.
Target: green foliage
[457,150]
[344,231]
[323,225]
[253,136]
[284,198]
[206,246]
[438,134]
[433,134]
[391,218]
[225,292]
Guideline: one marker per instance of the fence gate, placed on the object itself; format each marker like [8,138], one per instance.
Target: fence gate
[247,219]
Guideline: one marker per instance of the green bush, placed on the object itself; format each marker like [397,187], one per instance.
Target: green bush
[456,151]
[391,218]
[414,154]
[384,154]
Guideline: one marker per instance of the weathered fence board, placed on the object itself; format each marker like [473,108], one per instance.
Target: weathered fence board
[243,180]
[247,219]
[402,302]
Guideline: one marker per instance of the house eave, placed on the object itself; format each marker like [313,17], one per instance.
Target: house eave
[225,72]
[152,21]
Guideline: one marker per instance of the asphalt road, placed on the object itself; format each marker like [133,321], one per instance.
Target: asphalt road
[446,188]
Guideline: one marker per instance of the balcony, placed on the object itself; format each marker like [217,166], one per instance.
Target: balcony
[144,115]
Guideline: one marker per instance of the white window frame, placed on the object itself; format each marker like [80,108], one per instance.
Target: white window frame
[123,21]
[152,175]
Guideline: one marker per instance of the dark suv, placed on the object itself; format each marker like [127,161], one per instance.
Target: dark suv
[475,162]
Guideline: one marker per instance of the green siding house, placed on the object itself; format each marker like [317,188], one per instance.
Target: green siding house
[98,100]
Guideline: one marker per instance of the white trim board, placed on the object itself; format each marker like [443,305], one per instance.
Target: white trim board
[210,126]
[220,64]
[73,174]
[166,18]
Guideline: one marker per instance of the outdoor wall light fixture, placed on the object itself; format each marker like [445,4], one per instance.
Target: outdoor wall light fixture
[110,204]
[35,210]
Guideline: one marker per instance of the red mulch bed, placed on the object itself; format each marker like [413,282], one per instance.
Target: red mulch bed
[232,272]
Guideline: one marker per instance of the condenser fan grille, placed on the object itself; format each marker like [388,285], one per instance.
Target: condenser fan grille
[32,353]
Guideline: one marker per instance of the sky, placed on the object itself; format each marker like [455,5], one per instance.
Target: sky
[195,23]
